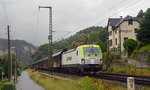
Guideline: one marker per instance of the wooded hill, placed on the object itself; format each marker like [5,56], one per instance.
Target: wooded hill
[24,49]
[95,35]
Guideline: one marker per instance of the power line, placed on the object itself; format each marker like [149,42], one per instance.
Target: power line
[3,17]
[4,6]
[62,36]
[4,13]
[37,22]
[118,11]
[101,14]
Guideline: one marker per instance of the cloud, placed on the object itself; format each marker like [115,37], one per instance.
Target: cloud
[68,15]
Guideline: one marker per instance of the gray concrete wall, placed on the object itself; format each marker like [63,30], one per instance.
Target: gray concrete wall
[141,56]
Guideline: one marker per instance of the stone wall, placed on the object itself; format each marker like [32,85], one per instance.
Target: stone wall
[141,56]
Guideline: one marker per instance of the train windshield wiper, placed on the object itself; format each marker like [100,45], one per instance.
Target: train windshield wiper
[93,51]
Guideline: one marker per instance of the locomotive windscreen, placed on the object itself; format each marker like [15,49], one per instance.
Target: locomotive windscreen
[91,50]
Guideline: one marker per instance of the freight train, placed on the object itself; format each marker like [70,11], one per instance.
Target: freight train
[82,59]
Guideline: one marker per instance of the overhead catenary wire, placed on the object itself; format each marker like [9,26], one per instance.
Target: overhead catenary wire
[62,37]
[37,22]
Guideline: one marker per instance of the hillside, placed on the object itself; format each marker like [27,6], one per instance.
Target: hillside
[95,35]
[24,49]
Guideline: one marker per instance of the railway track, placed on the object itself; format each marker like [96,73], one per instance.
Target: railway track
[139,80]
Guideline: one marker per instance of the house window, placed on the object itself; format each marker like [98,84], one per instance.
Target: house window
[125,38]
[110,33]
[130,22]
[116,41]
[135,30]
[110,42]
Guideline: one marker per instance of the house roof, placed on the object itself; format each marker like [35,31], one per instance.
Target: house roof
[115,22]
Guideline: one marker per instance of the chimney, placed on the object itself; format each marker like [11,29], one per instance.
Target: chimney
[121,17]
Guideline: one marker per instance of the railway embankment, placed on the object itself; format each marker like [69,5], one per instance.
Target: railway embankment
[83,83]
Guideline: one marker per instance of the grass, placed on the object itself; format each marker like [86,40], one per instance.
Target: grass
[145,48]
[85,83]
[52,83]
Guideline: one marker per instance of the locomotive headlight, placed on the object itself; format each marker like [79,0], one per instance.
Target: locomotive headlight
[101,60]
[83,61]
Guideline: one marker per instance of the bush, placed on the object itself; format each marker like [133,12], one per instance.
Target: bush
[110,69]
[145,48]
[104,57]
[130,44]
[133,53]
[18,72]
[1,70]
[111,55]
[88,84]
[9,86]
[25,67]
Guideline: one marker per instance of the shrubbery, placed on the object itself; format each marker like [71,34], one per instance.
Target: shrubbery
[18,72]
[130,45]
[1,70]
[88,83]
[25,67]
[145,48]
[133,53]
[9,86]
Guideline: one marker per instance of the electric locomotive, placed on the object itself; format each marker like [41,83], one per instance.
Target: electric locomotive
[84,58]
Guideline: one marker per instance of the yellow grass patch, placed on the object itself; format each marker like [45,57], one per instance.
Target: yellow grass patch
[52,83]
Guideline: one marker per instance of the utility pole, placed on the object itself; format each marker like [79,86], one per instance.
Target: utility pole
[16,66]
[9,59]
[107,55]
[50,35]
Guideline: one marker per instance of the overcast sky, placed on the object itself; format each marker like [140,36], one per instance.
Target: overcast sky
[30,24]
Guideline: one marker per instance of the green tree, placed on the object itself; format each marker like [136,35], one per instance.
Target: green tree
[143,34]
[130,44]
[101,44]
[41,52]
[102,35]
[93,37]
[5,63]
[140,14]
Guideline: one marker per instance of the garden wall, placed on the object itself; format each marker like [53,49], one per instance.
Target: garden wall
[141,56]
